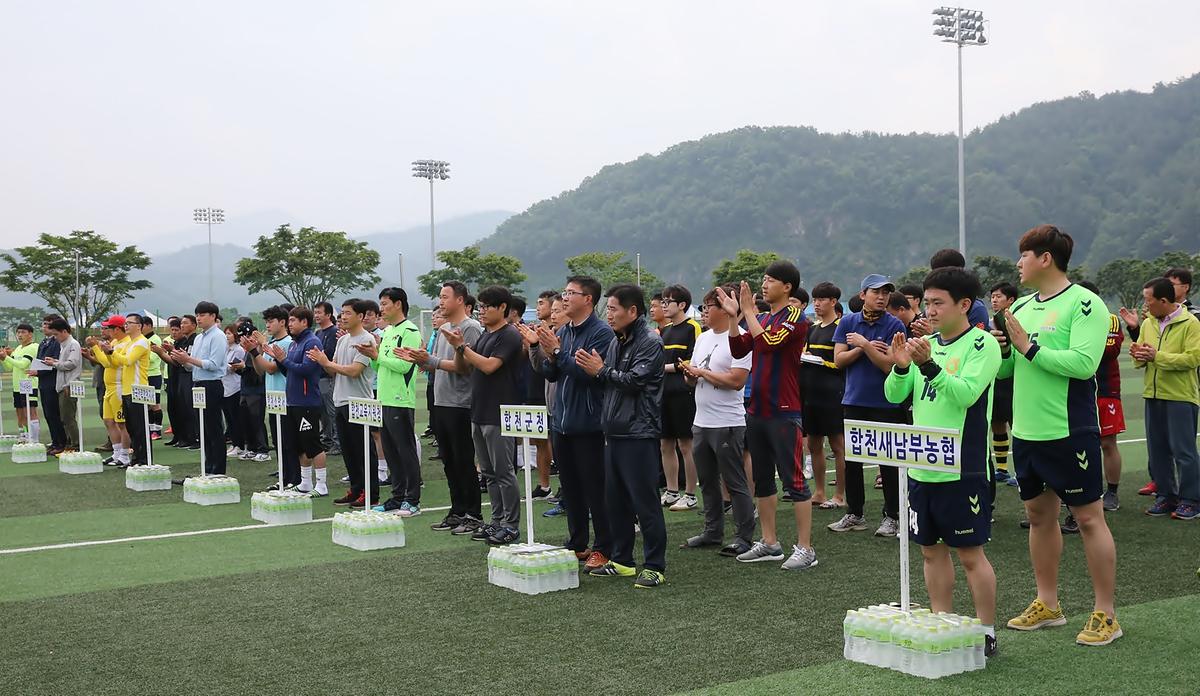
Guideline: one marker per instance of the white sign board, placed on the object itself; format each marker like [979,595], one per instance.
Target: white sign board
[25,387]
[366,412]
[277,403]
[143,394]
[912,446]
[199,399]
[524,421]
[76,388]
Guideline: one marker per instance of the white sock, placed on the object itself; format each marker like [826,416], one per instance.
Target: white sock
[989,630]
[305,479]
[383,468]
[322,488]
[419,450]
[35,429]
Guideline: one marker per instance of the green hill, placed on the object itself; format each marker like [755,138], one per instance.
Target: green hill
[1121,173]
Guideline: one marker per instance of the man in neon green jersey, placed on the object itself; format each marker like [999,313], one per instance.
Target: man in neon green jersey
[1055,339]
[956,367]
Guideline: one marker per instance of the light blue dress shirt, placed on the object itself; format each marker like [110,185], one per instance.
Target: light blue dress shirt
[209,349]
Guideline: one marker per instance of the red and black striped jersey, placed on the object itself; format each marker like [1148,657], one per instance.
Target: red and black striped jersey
[1108,375]
[775,376]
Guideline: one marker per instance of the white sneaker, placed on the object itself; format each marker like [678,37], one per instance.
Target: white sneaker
[669,498]
[848,523]
[262,457]
[687,501]
[345,479]
[887,528]
[233,452]
[801,559]
[246,455]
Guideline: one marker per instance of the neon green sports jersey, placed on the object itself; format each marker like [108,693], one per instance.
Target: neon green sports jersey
[155,361]
[396,376]
[1054,383]
[953,390]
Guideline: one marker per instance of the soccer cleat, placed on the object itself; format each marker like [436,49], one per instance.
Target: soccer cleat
[848,523]
[1037,615]
[448,523]
[761,552]
[801,559]
[1148,489]
[613,570]
[888,528]
[347,499]
[649,579]
[1111,502]
[595,560]
[1161,508]
[1099,630]
[1186,512]
[669,498]
[685,502]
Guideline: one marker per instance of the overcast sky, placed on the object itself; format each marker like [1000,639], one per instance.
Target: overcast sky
[123,116]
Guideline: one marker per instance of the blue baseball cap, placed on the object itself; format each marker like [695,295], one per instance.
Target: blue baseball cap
[877,281]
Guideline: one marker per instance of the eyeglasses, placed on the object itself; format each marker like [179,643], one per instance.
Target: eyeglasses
[567,294]
[488,306]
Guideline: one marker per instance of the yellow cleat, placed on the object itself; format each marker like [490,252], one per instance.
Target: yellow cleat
[1037,615]
[1100,630]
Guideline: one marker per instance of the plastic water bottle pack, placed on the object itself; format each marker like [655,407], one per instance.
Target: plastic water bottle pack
[281,507]
[211,490]
[367,530]
[149,478]
[81,463]
[28,452]
[533,569]
[7,442]
[919,643]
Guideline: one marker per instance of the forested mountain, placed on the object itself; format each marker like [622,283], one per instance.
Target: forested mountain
[1121,173]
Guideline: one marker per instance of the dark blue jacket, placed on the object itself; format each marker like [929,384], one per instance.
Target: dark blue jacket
[578,398]
[303,372]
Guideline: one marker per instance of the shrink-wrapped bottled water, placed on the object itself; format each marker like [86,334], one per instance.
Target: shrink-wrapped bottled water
[153,477]
[533,569]
[7,442]
[28,453]
[366,530]
[211,490]
[281,507]
[81,463]
[919,642]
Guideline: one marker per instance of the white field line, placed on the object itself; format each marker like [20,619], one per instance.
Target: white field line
[247,527]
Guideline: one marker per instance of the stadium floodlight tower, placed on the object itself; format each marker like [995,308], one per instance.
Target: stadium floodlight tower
[209,217]
[962,28]
[431,169]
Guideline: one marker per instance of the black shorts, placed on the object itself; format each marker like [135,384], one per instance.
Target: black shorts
[1002,397]
[19,399]
[678,415]
[954,513]
[1070,467]
[823,418]
[777,447]
[302,430]
[156,381]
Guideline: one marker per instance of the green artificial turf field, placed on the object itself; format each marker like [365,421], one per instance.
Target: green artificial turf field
[282,610]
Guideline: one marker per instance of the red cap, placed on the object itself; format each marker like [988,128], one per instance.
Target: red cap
[115,320]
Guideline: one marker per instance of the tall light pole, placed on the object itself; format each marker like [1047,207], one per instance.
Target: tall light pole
[431,169]
[962,28]
[209,217]
[78,310]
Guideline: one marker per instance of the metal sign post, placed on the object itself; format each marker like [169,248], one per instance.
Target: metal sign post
[277,406]
[144,394]
[76,393]
[525,422]
[25,387]
[904,447]
[367,413]
[199,402]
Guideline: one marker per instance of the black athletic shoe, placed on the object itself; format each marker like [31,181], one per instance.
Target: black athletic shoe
[484,532]
[448,523]
[989,646]
[503,535]
[194,446]
[540,493]
[1069,525]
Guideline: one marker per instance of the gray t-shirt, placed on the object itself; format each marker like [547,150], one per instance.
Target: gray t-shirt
[451,389]
[360,387]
